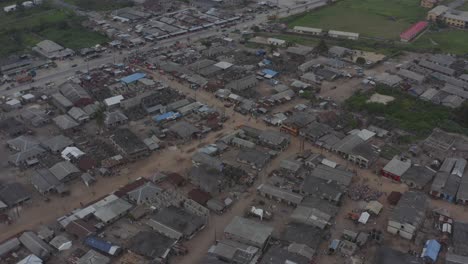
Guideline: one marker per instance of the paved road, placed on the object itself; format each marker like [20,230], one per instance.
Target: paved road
[61,74]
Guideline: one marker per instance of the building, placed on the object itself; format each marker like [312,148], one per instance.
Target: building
[413,31]
[203,159]
[57,143]
[184,130]
[129,144]
[455,18]
[418,176]
[408,215]
[115,119]
[65,122]
[242,84]
[233,252]
[248,231]
[76,94]
[396,168]
[462,193]
[429,3]
[176,223]
[448,179]
[411,76]
[44,181]
[151,245]
[278,194]
[61,102]
[387,255]
[276,42]
[338,174]
[110,209]
[343,34]
[208,180]
[52,50]
[93,257]
[279,255]
[147,193]
[436,67]
[36,245]
[274,139]
[13,194]
[308,30]
[460,236]
[437,13]
[64,171]
[255,158]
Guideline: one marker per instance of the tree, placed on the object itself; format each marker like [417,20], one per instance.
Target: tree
[100,116]
[360,61]
[322,47]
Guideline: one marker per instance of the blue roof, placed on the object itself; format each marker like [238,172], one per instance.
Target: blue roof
[269,72]
[432,249]
[165,116]
[98,244]
[132,78]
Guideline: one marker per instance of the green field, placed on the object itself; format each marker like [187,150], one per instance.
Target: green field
[453,41]
[100,5]
[19,31]
[408,113]
[373,18]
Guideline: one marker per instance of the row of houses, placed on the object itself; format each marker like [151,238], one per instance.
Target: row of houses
[330,33]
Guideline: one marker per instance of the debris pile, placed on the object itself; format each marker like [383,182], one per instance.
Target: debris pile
[363,192]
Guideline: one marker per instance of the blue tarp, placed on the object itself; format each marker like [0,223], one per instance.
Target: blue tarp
[166,116]
[269,72]
[133,78]
[431,250]
[98,244]
[266,62]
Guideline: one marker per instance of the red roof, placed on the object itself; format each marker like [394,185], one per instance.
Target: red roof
[414,30]
[199,196]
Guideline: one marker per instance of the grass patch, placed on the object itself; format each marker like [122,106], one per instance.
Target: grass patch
[373,18]
[389,151]
[406,112]
[452,41]
[19,31]
[100,5]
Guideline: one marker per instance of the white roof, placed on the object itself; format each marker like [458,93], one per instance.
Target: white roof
[364,218]
[397,167]
[27,96]
[329,163]
[343,33]
[72,152]
[113,100]
[31,259]
[308,29]
[13,102]
[223,65]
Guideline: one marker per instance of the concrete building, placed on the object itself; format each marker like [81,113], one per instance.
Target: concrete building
[280,195]
[52,50]
[129,144]
[408,215]
[343,34]
[176,223]
[455,18]
[308,30]
[437,13]
[418,176]
[248,231]
[396,168]
[429,3]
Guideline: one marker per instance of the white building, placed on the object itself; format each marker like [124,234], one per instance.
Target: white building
[343,34]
